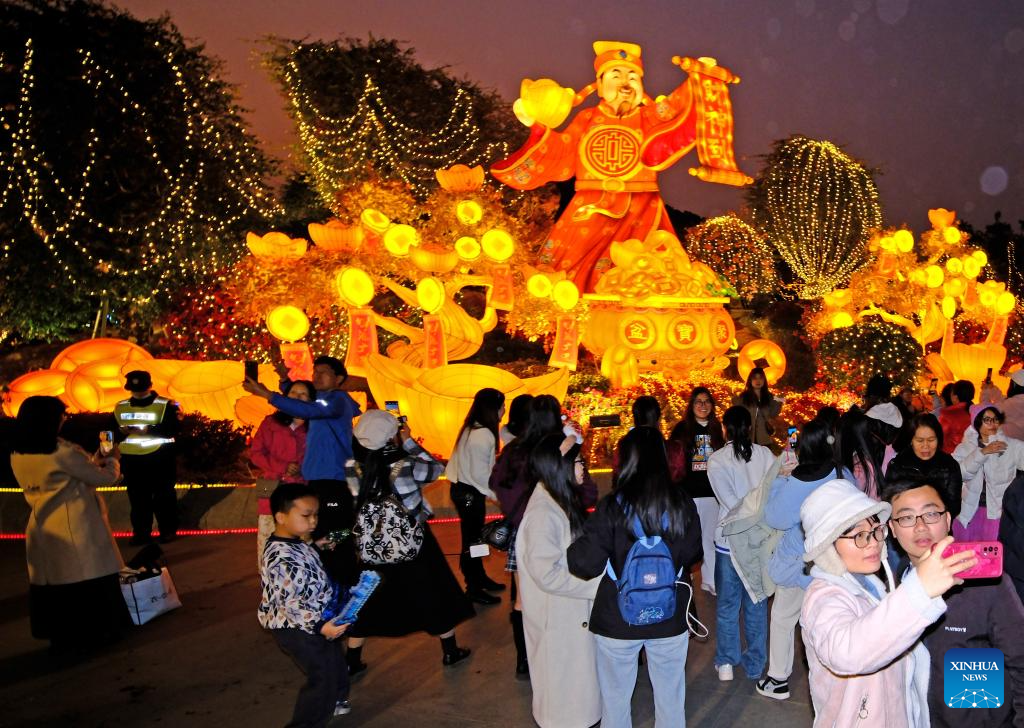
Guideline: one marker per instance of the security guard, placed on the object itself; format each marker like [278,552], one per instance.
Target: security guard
[148,425]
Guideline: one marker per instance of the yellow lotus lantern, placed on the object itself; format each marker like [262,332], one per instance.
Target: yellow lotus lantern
[431,259]
[354,286]
[545,101]
[468,248]
[469,212]
[399,238]
[287,323]
[941,218]
[276,246]
[430,294]
[498,245]
[971,267]
[460,178]
[334,235]
[771,352]
[934,276]
[375,221]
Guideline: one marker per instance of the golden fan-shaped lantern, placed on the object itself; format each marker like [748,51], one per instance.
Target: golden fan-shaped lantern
[460,178]
[334,235]
[276,246]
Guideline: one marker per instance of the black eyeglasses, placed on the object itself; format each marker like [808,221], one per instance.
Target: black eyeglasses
[910,521]
[990,420]
[861,539]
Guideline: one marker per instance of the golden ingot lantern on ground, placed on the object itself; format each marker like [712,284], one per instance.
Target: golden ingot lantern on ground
[276,246]
[460,178]
[287,323]
[334,235]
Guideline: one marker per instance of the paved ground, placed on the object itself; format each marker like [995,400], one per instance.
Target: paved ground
[209,664]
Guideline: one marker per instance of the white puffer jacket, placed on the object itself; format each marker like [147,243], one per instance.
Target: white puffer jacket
[993,472]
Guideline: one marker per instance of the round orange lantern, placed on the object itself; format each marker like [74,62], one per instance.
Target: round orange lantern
[762,349]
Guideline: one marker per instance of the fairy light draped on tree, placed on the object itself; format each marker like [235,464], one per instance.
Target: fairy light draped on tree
[818,207]
[735,251]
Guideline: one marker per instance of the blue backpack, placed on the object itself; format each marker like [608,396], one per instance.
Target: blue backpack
[647,588]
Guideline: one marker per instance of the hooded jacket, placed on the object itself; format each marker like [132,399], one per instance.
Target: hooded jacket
[993,472]
[864,666]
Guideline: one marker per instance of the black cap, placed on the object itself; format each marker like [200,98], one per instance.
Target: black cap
[138,381]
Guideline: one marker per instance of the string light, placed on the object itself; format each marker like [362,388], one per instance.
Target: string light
[818,207]
[338,148]
[736,251]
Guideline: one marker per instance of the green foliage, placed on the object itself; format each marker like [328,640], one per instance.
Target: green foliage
[210,451]
[850,356]
[125,166]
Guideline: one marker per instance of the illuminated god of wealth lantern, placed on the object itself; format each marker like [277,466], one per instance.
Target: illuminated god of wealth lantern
[615,149]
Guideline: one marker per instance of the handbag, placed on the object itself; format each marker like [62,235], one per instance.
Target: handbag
[498,533]
[149,595]
[385,534]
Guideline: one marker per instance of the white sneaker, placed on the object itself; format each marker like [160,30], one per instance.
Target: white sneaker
[725,673]
[342,708]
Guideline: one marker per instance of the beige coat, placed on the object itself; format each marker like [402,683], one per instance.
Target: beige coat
[556,610]
[67,538]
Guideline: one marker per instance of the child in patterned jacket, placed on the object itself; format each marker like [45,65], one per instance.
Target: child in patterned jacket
[297,595]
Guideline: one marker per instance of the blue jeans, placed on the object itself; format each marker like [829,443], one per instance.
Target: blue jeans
[732,598]
[616,676]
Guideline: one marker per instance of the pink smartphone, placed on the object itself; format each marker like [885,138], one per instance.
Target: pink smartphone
[988,553]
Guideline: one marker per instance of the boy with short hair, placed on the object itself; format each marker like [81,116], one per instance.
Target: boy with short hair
[296,594]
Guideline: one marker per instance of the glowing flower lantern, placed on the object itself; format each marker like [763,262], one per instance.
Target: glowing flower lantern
[433,260]
[42,382]
[336,236]
[469,212]
[354,286]
[467,248]
[934,276]
[287,323]
[545,101]
[941,218]
[955,266]
[971,267]
[771,352]
[951,235]
[276,246]
[498,245]
[430,294]
[460,178]
[1005,303]
[399,238]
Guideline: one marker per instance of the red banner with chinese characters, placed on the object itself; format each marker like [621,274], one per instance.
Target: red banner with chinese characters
[362,340]
[501,294]
[566,348]
[709,84]
[435,352]
[299,361]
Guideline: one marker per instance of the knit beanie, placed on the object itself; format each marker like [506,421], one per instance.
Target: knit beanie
[828,513]
[375,429]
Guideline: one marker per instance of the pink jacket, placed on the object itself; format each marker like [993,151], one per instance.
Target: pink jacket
[275,446]
[867,665]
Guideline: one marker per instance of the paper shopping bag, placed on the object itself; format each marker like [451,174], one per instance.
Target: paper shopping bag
[151,597]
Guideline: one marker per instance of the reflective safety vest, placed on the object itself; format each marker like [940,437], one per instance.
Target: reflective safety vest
[137,421]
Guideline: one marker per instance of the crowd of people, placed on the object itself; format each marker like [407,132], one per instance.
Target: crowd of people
[842,528]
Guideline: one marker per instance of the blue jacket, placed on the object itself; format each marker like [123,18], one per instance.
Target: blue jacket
[782,511]
[329,440]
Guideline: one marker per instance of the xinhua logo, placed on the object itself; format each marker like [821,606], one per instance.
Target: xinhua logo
[973,678]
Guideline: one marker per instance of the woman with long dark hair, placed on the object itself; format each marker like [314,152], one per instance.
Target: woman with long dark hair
[644,500]
[816,465]
[518,419]
[417,595]
[469,471]
[763,407]
[689,448]
[75,599]
[513,481]
[556,604]
[734,471]
[860,452]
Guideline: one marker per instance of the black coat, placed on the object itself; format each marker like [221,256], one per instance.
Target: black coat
[608,537]
[940,471]
[1011,533]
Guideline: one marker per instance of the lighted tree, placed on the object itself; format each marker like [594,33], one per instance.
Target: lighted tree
[370,108]
[736,251]
[125,167]
[818,207]
[849,357]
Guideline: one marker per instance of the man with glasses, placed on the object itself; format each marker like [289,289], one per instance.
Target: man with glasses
[979,614]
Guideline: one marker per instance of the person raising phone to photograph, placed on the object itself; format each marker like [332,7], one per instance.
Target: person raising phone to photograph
[980,613]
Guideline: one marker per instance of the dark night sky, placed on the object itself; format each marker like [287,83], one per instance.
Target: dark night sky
[930,92]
